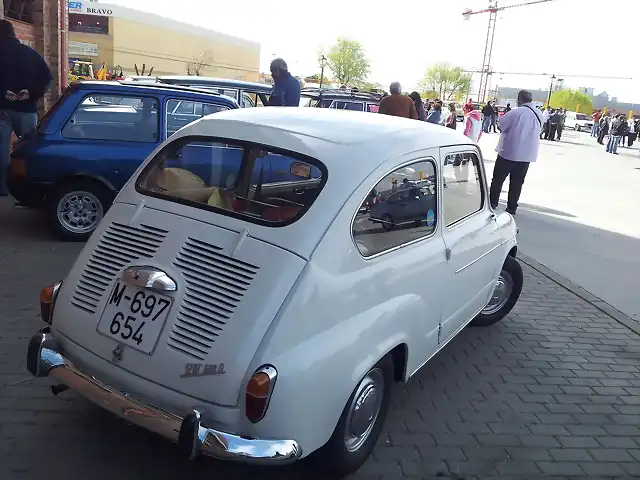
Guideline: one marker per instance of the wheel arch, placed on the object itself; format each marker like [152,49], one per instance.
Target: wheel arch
[513,252]
[98,179]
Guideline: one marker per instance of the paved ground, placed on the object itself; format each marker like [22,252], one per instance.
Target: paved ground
[579,215]
[554,390]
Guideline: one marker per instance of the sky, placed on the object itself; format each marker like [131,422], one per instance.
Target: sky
[568,38]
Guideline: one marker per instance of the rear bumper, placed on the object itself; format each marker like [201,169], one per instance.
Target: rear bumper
[44,359]
[28,193]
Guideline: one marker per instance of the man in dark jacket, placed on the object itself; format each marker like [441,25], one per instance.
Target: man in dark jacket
[24,78]
[487,112]
[604,125]
[554,120]
[286,87]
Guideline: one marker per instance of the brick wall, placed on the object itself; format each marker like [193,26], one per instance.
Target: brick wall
[25,32]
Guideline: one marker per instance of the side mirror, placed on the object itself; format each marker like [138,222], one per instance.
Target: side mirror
[300,170]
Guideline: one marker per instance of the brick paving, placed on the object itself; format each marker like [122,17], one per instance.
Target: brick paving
[552,391]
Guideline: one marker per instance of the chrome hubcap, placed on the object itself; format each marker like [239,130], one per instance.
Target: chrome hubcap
[501,293]
[79,212]
[364,410]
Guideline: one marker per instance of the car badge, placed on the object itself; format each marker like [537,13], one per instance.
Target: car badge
[117,353]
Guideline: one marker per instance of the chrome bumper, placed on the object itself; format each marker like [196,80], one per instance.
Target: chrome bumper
[44,359]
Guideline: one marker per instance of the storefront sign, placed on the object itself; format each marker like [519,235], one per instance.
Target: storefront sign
[82,49]
[91,8]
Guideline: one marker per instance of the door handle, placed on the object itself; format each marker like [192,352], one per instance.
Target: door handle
[493,216]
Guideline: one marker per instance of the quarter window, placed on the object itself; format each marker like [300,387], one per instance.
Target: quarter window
[114,118]
[402,207]
[463,194]
[182,112]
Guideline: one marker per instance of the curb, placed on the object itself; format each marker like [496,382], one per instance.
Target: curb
[598,303]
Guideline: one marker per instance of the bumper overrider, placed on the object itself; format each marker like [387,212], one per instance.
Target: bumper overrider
[45,359]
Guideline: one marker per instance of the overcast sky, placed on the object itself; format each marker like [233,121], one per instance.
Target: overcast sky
[402,38]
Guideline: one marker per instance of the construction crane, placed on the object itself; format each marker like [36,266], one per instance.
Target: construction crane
[555,78]
[492,10]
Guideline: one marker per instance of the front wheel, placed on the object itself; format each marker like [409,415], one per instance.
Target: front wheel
[505,294]
[576,128]
[360,424]
[77,207]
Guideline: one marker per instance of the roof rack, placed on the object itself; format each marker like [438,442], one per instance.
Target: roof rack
[352,92]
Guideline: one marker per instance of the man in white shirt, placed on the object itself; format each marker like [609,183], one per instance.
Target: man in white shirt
[517,148]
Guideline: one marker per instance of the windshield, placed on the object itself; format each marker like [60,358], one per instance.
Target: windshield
[582,116]
[248,181]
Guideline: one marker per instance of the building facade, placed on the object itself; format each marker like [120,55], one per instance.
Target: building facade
[122,37]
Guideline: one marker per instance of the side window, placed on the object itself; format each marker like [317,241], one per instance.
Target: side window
[401,208]
[182,112]
[463,194]
[125,119]
[247,102]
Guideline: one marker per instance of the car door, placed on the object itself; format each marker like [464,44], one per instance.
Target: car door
[407,261]
[471,237]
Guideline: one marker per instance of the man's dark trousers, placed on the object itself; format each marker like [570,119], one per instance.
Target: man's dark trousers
[516,171]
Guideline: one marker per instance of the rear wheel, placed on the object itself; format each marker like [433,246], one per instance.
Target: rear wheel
[360,424]
[505,294]
[77,207]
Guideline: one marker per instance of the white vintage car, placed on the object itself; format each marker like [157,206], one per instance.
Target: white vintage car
[266,276]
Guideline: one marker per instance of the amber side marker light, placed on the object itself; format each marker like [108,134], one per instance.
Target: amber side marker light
[18,167]
[258,393]
[48,297]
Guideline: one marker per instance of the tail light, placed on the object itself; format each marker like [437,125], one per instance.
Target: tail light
[48,297]
[259,390]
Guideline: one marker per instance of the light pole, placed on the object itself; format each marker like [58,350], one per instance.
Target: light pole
[553,77]
[323,63]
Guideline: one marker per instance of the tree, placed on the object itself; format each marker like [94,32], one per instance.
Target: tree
[370,86]
[199,63]
[570,99]
[348,62]
[446,81]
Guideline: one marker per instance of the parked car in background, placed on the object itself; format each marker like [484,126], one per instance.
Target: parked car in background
[580,122]
[264,317]
[247,94]
[340,99]
[91,141]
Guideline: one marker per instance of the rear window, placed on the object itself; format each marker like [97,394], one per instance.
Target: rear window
[256,183]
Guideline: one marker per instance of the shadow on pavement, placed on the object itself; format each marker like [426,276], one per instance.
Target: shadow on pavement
[602,262]
[536,208]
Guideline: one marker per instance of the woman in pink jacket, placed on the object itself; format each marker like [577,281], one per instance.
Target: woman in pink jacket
[472,122]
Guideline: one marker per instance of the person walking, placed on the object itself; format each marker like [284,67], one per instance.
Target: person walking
[552,125]
[563,117]
[435,114]
[472,122]
[417,101]
[633,133]
[286,88]
[452,118]
[517,148]
[24,79]
[616,130]
[494,117]
[397,104]
[603,128]
[544,131]
[487,111]
[595,130]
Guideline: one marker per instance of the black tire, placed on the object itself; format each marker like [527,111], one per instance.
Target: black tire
[512,268]
[576,127]
[99,193]
[333,458]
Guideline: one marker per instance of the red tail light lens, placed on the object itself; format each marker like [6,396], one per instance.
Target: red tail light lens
[258,393]
[48,297]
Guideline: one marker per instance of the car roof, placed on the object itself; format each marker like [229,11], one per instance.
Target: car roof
[149,87]
[221,82]
[318,132]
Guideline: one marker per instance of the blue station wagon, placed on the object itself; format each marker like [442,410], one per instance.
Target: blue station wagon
[92,140]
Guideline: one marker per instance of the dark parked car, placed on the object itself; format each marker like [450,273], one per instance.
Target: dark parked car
[247,94]
[340,99]
[405,207]
[92,140]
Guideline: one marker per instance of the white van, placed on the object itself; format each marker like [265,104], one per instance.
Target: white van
[580,122]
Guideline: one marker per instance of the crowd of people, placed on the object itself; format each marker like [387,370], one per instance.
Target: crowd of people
[617,129]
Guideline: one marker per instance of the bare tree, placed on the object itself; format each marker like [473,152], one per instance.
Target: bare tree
[199,63]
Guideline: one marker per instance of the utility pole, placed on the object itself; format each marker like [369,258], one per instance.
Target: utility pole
[492,10]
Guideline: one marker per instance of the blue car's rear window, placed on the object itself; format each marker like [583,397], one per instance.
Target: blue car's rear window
[257,183]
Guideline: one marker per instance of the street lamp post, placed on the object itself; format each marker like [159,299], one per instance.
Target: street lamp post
[553,77]
[323,63]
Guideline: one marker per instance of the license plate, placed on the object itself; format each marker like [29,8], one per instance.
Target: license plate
[135,316]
